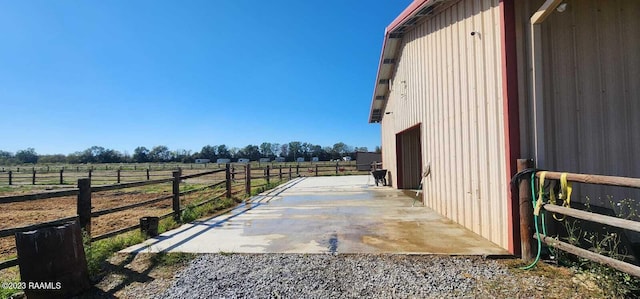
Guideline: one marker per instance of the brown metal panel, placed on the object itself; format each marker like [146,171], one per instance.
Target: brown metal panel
[591,71]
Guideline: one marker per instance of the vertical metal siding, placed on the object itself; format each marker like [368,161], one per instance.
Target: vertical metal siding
[450,82]
[592,75]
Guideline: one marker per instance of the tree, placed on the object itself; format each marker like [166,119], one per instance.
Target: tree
[7,158]
[252,152]
[223,152]
[183,156]
[361,149]
[74,158]
[234,153]
[266,150]
[275,150]
[109,156]
[160,153]
[295,150]
[208,152]
[378,149]
[28,155]
[57,158]
[141,154]
[284,150]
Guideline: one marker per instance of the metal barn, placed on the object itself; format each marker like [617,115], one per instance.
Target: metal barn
[466,87]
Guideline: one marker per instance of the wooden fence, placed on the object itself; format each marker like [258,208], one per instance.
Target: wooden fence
[527,221]
[110,174]
[235,174]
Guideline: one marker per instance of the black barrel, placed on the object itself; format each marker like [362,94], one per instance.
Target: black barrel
[149,226]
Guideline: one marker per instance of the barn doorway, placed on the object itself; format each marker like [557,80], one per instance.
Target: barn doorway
[409,155]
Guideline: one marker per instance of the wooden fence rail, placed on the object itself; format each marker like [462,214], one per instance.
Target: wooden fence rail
[527,221]
[84,191]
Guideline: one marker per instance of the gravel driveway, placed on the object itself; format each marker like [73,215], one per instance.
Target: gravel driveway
[357,276]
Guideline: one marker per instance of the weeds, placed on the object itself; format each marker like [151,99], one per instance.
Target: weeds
[172,258]
[99,251]
[606,242]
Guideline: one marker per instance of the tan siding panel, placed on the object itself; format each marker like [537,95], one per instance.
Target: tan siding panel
[453,88]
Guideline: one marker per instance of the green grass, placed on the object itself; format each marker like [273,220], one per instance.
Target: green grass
[98,252]
[6,293]
[172,258]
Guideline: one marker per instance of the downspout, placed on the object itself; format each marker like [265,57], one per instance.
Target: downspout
[537,79]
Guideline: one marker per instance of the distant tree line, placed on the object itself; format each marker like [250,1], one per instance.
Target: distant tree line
[97,154]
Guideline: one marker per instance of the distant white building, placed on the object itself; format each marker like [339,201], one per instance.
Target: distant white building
[223,161]
[202,161]
[264,160]
[243,160]
[315,159]
[279,159]
[300,159]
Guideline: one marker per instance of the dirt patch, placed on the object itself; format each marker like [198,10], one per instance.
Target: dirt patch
[26,213]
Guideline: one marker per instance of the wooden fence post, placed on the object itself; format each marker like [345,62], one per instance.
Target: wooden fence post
[337,166]
[10,177]
[176,195]
[247,180]
[233,173]
[118,173]
[526,211]
[268,175]
[280,172]
[227,176]
[84,204]
[316,169]
[61,176]
[298,169]
[33,179]
[289,172]
[90,171]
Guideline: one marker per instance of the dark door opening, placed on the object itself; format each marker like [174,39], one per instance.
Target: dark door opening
[409,156]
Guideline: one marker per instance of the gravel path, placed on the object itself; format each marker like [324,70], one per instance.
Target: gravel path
[333,276]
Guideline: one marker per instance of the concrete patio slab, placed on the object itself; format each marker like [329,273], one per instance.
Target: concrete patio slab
[341,214]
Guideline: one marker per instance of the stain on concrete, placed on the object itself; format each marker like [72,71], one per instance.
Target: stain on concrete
[327,215]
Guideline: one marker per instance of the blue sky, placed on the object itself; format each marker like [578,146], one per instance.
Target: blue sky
[184,74]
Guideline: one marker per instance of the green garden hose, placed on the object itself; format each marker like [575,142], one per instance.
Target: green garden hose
[535,220]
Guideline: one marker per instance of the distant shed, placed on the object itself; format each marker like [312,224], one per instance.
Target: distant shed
[364,160]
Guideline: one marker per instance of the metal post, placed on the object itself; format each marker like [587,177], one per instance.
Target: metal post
[526,211]
[176,195]
[148,176]
[10,177]
[84,204]
[227,175]
[61,176]
[118,173]
[33,179]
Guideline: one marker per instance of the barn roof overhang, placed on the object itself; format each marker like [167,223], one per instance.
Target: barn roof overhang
[411,16]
